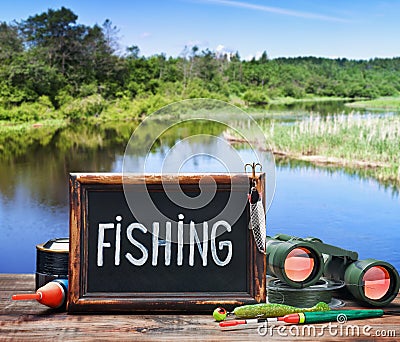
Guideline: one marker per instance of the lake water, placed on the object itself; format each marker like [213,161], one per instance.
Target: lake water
[340,208]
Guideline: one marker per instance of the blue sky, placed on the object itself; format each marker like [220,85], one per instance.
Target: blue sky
[358,29]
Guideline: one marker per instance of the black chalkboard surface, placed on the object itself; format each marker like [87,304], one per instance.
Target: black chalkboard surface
[149,260]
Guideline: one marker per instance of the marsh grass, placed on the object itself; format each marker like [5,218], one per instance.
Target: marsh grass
[9,127]
[351,140]
[17,139]
[388,102]
[311,98]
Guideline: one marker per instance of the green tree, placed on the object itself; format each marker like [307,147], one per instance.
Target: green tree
[56,32]
[10,43]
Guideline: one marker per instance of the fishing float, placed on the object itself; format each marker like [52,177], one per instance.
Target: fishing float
[340,316]
[53,294]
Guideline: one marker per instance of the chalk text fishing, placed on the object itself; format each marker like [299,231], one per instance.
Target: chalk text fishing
[224,246]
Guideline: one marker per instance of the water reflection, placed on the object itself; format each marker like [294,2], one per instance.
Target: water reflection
[364,174]
[42,167]
[298,110]
[320,107]
[343,207]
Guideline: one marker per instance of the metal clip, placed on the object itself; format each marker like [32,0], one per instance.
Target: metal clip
[253,168]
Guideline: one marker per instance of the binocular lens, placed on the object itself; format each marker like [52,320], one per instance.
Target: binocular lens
[376,282]
[299,264]
[296,263]
[372,281]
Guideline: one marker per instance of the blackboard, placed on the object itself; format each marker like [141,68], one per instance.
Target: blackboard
[117,263]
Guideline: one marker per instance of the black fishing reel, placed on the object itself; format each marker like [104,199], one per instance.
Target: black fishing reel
[51,261]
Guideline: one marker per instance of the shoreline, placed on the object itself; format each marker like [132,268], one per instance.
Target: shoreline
[322,160]
[114,112]
[314,158]
[380,170]
[325,161]
[382,103]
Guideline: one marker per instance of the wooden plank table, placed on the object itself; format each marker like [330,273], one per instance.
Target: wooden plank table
[29,320]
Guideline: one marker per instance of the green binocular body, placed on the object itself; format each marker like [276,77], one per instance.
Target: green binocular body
[300,262]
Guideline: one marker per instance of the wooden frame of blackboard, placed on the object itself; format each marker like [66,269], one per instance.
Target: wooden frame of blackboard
[79,300]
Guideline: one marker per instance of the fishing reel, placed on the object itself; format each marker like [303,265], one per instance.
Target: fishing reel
[300,262]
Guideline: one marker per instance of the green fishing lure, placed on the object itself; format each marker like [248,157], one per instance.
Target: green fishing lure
[264,310]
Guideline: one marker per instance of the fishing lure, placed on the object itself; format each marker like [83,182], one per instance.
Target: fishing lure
[257,219]
[340,316]
[266,310]
[257,212]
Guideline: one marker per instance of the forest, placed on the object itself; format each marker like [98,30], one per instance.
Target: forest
[53,67]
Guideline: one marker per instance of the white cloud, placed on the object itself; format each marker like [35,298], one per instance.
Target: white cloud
[257,55]
[201,44]
[145,35]
[277,10]
[220,48]
[223,50]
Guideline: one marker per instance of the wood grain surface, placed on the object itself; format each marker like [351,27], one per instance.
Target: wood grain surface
[30,321]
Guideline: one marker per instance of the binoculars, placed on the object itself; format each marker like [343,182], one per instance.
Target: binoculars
[300,262]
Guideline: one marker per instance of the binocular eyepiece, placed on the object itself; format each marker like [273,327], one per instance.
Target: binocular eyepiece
[294,261]
[371,281]
[300,262]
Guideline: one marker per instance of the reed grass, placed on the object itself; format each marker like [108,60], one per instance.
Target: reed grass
[387,102]
[9,127]
[350,140]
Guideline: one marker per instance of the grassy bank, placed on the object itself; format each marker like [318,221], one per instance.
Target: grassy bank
[18,138]
[389,102]
[95,109]
[349,141]
[9,127]
[311,98]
